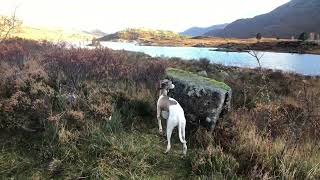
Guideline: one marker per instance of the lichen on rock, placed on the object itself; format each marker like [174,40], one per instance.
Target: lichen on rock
[203,99]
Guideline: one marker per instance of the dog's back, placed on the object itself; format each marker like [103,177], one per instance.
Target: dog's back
[177,119]
[176,110]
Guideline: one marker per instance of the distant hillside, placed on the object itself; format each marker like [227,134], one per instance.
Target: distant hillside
[96,32]
[51,34]
[199,31]
[43,33]
[136,34]
[290,19]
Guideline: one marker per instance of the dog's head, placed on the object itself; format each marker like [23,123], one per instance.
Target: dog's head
[166,84]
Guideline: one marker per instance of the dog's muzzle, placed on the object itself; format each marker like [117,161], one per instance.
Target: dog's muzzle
[172,86]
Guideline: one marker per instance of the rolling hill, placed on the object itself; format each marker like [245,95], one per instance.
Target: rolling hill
[288,20]
[96,32]
[26,31]
[51,34]
[141,33]
[199,31]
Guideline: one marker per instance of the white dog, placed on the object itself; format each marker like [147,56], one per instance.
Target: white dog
[171,110]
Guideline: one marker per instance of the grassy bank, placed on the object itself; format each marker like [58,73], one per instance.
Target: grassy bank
[109,130]
[52,34]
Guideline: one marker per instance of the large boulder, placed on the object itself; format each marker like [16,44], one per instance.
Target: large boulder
[204,100]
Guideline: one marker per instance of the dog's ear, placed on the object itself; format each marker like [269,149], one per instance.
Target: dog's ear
[163,85]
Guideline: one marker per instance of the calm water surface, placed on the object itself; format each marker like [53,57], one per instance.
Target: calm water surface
[306,64]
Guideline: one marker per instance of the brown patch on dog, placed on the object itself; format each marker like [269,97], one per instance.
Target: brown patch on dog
[171,102]
[165,102]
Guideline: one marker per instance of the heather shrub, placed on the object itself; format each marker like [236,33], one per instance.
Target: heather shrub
[74,120]
[149,73]
[66,136]
[27,96]
[204,64]
[48,79]
[132,111]
[98,102]
[200,137]
[79,65]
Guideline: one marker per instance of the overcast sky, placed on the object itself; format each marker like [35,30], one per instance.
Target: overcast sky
[114,15]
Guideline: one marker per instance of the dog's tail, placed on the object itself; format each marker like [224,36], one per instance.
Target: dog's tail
[181,132]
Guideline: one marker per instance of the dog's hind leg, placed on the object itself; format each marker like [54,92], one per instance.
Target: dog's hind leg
[183,131]
[169,133]
[184,149]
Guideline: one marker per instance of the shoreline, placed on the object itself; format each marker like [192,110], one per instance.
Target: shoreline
[234,45]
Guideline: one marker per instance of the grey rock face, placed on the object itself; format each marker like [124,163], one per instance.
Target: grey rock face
[204,100]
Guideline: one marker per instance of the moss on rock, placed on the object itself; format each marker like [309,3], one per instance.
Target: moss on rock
[192,78]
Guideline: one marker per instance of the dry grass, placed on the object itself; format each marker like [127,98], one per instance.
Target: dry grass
[205,41]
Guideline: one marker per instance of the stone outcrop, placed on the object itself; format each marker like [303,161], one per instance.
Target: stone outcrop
[204,100]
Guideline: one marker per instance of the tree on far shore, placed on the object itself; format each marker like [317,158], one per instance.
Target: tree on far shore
[303,36]
[259,37]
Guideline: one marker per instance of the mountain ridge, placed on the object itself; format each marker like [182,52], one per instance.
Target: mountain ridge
[285,21]
[199,31]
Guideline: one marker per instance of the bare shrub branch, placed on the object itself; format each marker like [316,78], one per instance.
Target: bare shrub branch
[9,25]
